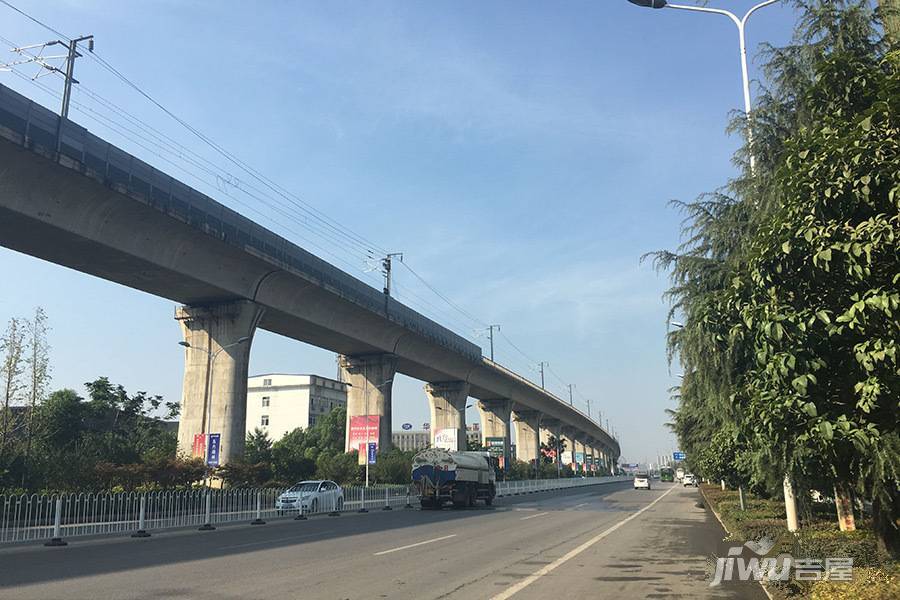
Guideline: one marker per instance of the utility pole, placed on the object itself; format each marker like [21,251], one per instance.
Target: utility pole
[70,69]
[571,402]
[542,365]
[490,329]
[386,269]
[588,400]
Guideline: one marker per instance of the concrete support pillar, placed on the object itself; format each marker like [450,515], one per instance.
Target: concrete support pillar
[550,431]
[371,378]
[579,447]
[447,400]
[528,443]
[591,453]
[216,359]
[567,436]
[495,416]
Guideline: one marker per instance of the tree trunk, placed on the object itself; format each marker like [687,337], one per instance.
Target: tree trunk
[885,514]
[790,505]
[890,18]
[844,504]
[741,497]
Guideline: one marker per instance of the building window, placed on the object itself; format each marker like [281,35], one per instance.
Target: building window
[312,420]
[267,382]
[264,421]
[265,401]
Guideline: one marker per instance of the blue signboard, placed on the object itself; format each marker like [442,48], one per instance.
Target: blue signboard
[372,448]
[406,426]
[212,450]
[678,455]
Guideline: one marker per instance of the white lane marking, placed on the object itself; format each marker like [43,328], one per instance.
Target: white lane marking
[446,537]
[533,516]
[580,505]
[525,509]
[508,592]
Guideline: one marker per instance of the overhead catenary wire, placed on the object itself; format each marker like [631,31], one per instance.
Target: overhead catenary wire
[307,216]
[301,204]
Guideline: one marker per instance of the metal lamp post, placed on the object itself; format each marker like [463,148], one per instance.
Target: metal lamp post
[741,23]
[207,404]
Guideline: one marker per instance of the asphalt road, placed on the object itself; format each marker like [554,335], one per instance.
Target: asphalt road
[607,542]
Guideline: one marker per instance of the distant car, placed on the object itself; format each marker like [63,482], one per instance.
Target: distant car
[689,480]
[641,481]
[312,496]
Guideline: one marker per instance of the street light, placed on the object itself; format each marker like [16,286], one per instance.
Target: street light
[207,405]
[741,23]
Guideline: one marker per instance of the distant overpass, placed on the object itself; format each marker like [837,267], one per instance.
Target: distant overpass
[69,197]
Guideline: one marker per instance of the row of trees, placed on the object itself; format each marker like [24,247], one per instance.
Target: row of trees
[788,279]
[318,452]
[112,439]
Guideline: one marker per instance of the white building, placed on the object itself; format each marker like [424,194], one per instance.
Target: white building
[278,403]
[421,439]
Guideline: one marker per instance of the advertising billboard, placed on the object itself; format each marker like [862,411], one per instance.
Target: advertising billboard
[198,450]
[212,450]
[494,445]
[363,429]
[446,439]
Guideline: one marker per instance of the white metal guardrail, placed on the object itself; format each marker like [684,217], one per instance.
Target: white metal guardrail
[53,518]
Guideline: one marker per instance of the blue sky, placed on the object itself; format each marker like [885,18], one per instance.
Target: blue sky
[520,154]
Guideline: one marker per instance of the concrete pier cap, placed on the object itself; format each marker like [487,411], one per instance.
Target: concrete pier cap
[371,378]
[217,340]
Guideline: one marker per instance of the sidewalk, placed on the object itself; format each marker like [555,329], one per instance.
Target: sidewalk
[668,552]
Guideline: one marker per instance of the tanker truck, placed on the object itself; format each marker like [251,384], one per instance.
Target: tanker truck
[458,477]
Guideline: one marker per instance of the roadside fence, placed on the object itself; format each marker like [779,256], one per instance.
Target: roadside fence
[54,518]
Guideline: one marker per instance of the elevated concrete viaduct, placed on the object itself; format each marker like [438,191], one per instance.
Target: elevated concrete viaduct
[78,201]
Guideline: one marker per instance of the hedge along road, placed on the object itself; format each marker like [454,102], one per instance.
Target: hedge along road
[474,553]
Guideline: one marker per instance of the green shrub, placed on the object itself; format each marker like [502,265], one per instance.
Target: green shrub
[867,584]
[756,529]
[862,546]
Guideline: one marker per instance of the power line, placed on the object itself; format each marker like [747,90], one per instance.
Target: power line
[27,16]
[458,308]
[325,227]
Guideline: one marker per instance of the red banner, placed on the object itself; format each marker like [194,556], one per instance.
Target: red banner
[199,447]
[360,433]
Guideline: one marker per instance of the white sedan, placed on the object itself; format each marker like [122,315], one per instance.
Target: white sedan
[311,497]
[641,481]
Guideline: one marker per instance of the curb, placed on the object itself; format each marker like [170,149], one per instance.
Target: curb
[722,523]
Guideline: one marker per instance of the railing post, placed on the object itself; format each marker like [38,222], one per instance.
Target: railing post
[387,505]
[207,525]
[142,520]
[57,540]
[258,520]
[362,502]
[334,511]
[300,516]
[408,505]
